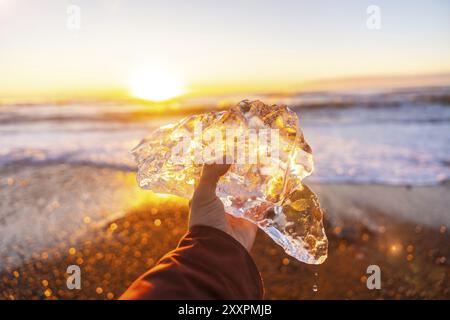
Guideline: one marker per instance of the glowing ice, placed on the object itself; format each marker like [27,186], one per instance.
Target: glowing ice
[268,193]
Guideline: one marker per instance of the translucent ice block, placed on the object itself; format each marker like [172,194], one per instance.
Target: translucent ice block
[264,184]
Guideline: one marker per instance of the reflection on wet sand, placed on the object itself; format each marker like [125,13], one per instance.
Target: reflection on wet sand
[118,231]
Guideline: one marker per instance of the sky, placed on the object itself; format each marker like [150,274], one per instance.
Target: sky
[215,46]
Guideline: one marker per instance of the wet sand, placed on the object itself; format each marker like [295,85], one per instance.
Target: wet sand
[56,215]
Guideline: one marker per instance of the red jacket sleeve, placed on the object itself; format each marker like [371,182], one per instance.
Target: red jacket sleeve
[207,264]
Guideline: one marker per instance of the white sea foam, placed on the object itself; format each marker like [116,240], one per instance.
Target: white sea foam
[386,139]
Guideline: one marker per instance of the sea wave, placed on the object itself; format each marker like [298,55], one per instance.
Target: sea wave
[403,145]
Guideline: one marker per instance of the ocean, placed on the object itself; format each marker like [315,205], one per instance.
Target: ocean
[391,137]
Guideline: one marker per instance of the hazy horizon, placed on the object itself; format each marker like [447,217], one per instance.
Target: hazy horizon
[216,48]
[352,84]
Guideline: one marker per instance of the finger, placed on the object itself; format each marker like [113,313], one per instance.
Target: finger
[211,173]
[241,223]
[242,230]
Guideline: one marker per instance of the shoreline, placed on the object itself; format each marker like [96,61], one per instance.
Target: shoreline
[56,215]
[11,166]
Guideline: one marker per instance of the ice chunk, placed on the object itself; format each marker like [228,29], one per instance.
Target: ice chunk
[270,158]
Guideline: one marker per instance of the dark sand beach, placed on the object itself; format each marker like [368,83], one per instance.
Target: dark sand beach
[56,215]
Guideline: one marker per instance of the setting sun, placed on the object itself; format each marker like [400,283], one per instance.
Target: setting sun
[155,85]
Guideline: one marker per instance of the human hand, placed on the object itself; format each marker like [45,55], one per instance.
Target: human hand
[206,209]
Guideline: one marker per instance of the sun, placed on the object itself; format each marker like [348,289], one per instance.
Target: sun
[155,85]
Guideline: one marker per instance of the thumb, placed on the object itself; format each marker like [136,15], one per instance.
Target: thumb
[205,206]
[206,189]
[211,173]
